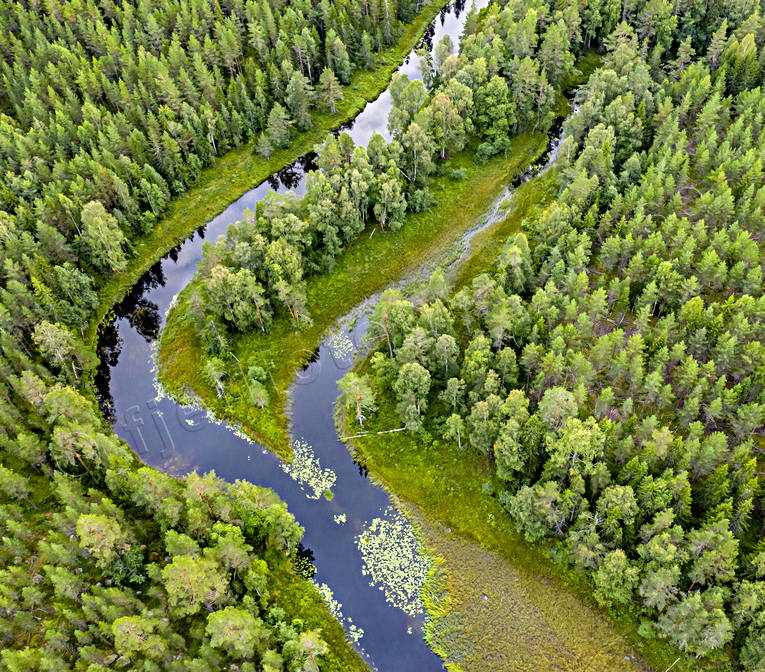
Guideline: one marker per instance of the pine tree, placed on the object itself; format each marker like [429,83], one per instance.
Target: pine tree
[278,127]
[330,89]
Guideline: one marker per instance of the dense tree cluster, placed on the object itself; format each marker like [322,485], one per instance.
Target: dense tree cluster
[611,365]
[107,110]
[505,79]
[105,562]
[259,269]
[260,266]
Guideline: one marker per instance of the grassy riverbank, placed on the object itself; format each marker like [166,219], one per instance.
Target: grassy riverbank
[363,268]
[301,600]
[242,169]
[497,602]
[486,246]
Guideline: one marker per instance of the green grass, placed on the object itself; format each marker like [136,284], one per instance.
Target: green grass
[535,615]
[528,199]
[484,614]
[241,169]
[363,268]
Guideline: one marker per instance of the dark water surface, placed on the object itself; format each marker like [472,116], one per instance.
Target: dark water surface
[177,439]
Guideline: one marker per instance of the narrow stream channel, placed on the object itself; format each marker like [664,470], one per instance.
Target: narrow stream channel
[178,440]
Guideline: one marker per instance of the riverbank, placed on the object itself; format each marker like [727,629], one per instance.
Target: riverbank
[300,600]
[366,266]
[485,247]
[495,597]
[242,169]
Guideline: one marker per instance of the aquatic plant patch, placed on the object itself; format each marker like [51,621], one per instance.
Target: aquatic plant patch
[391,558]
[355,633]
[306,470]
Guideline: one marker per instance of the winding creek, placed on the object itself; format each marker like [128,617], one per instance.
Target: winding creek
[340,531]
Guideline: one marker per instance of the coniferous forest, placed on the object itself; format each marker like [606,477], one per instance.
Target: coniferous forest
[595,345]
